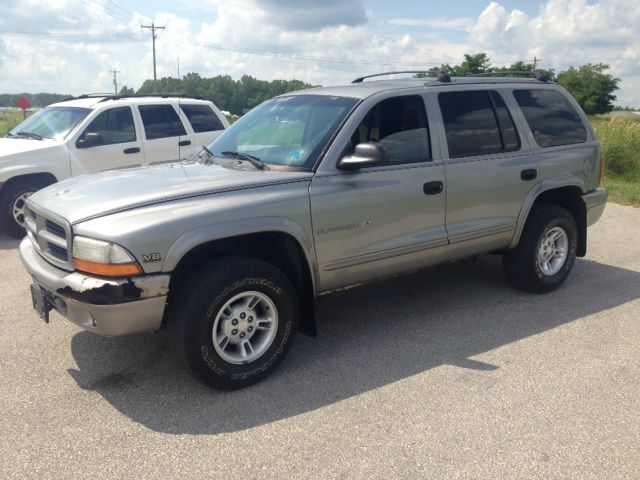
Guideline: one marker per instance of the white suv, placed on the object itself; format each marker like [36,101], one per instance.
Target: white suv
[94,133]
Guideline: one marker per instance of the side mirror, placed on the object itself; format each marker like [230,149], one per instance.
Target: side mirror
[90,140]
[366,155]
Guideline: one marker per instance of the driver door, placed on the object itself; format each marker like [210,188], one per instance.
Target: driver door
[118,146]
[385,219]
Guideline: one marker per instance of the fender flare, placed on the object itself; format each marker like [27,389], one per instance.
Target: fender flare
[220,231]
[534,194]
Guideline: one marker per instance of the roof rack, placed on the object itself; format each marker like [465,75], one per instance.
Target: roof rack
[92,95]
[360,79]
[508,73]
[112,96]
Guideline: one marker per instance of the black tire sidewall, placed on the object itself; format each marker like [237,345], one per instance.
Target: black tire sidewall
[7,200]
[555,218]
[202,358]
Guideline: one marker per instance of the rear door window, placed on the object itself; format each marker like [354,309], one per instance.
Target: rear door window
[202,118]
[551,117]
[477,123]
[160,121]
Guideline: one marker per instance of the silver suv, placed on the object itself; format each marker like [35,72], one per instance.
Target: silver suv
[311,192]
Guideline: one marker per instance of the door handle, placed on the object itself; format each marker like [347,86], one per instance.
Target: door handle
[433,188]
[131,150]
[184,143]
[529,174]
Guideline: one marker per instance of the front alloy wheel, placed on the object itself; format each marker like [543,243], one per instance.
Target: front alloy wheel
[245,327]
[232,321]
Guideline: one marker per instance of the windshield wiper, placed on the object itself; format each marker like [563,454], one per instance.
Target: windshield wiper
[255,161]
[210,155]
[35,136]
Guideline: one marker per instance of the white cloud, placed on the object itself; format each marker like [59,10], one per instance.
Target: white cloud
[568,32]
[463,23]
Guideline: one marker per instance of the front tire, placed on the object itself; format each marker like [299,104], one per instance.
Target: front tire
[12,202]
[547,250]
[233,321]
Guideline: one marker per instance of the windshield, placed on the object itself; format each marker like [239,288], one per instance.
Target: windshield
[51,122]
[286,131]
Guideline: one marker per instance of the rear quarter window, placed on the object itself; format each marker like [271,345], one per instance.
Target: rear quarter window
[202,118]
[551,117]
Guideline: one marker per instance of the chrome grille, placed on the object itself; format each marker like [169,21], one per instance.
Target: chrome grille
[55,229]
[50,235]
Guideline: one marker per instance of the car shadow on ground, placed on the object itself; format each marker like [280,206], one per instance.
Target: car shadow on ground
[369,337]
[7,242]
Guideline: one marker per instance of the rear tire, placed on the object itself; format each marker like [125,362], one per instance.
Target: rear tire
[546,252]
[233,321]
[12,201]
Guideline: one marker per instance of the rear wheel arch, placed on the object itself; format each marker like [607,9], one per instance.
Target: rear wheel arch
[568,197]
[277,248]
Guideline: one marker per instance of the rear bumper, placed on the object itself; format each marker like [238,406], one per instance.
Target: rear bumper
[595,203]
[111,307]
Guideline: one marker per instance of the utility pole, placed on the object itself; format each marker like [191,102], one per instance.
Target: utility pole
[115,79]
[153,29]
[535,62]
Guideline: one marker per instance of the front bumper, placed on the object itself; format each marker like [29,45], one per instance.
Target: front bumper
[111,307]
[595,202]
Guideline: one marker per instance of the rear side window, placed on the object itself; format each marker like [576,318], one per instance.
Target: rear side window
[160,121]
[477,123]
[202,118]
[551,117]
[399,125]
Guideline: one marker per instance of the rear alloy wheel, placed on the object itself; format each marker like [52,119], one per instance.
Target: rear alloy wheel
[546,252]
[232,321]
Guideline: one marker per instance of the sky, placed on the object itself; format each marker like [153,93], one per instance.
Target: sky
[72,46]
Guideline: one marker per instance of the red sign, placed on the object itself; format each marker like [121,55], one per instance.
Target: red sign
[24,103]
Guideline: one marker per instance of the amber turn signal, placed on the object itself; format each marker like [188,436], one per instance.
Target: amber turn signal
[108,270]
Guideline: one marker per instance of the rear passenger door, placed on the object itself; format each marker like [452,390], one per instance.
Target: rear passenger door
[166,139]
[489,173]
[116,143]
[205,123]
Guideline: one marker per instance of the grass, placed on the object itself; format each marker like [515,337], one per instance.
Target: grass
[9,119]
[620,139]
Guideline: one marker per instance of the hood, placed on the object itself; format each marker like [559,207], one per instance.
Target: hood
[15,146]
[94,195]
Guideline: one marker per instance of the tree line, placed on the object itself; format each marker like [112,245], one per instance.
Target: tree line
[590,84]
[234,96]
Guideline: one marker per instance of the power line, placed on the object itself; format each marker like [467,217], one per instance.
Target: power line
[153,29]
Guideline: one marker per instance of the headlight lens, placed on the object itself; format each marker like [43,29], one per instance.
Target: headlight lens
[103,258]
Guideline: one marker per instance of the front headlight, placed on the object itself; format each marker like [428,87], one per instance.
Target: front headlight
[103,258]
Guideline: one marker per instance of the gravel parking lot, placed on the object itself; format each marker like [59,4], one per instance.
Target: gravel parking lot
[445,373]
